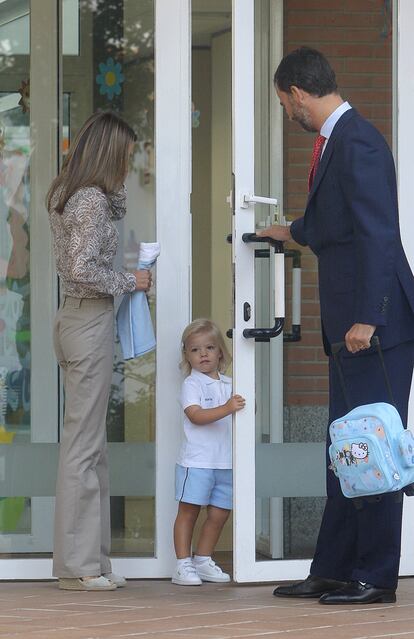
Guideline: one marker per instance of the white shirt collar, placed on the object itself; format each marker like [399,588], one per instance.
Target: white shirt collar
[328,125]
[206,379]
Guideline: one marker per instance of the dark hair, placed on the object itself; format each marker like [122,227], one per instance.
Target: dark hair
[98,156]
[307,69]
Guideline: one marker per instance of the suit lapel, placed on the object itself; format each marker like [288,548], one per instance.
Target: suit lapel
[324,161]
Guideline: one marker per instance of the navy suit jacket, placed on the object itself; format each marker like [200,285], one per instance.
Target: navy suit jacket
[351,224]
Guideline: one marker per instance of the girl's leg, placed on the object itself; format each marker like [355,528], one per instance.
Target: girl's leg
[183,528]
[211,530]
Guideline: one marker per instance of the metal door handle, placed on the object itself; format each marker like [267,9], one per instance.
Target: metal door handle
[265,334]
[256,199]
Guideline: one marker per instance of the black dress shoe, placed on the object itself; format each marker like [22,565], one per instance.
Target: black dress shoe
[356,592]
[312,587]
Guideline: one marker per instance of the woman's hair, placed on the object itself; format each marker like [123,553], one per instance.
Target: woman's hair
[203,325]
[98,156]
[307,69]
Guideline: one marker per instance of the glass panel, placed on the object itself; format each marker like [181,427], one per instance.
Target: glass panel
[15,145]
[290,430]
[114,69]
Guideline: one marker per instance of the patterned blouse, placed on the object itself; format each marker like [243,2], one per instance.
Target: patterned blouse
[85,241]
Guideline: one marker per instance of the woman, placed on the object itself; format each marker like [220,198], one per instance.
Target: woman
[82,202]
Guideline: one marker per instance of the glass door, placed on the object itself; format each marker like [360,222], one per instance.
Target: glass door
[279,439]
[262,469]
[60,62]
[28,373]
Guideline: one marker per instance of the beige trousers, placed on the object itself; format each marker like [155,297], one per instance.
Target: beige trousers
[83,340]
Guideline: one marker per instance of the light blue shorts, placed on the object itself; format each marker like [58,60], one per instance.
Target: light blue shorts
[204,486]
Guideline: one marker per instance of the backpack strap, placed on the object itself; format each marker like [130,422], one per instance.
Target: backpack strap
[336,348]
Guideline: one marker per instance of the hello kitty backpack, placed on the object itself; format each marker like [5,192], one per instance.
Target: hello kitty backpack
[371,452]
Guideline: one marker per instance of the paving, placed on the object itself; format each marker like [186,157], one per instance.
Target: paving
[159,609]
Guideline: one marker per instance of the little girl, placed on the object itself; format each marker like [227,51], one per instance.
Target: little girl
[203,472]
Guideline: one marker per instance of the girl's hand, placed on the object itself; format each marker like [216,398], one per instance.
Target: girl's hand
[143,280]
[235,403]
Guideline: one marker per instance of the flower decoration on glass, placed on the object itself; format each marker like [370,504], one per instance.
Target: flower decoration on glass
[110,78]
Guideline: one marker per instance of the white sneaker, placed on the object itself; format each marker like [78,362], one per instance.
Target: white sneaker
[186,575]
[118,580]
[209,571]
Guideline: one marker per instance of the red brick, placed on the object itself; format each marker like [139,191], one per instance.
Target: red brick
[297,352]
[311,338]
[311,323]
[302,368]
[368,96]
[333,35]
[333,19]
[332,5]
[306,384]
[309,293]
[369,65]
[306,399]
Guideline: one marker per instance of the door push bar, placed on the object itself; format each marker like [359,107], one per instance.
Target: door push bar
[295,334]
[265,334]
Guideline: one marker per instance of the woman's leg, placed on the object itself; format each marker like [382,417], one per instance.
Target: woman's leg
[85,349]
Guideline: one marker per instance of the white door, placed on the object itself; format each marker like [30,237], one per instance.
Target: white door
[279,467]
[71,76]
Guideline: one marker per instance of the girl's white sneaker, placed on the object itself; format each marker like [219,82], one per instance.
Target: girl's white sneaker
[186,575]
[209,571]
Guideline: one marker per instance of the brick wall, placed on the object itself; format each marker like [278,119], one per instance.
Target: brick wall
[355,36]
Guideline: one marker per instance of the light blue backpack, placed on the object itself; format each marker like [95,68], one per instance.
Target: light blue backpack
[371,452]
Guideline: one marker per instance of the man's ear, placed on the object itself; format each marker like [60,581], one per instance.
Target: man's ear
[298,95]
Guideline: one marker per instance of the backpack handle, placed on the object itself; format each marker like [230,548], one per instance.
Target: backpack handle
[337,347]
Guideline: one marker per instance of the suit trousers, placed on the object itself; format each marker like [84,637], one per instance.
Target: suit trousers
[363,543]
[84,343]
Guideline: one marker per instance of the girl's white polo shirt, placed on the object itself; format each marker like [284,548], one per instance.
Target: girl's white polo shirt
[207,446]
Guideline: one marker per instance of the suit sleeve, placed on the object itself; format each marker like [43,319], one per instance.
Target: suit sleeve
[297,231]
[368,185]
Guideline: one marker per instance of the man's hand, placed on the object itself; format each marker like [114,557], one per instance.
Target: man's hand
[358,337]
[277,232]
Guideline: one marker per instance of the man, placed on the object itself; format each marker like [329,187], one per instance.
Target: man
[366,287]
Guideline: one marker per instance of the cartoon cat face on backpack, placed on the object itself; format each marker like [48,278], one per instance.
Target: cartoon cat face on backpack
[359,451]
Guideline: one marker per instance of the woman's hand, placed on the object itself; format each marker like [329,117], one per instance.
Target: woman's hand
[277,232]
[358,338]
[143,280]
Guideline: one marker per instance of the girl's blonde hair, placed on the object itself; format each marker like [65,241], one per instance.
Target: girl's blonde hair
[203,325]
[98,156]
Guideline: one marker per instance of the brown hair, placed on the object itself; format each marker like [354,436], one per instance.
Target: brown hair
[203,325]
[98,156]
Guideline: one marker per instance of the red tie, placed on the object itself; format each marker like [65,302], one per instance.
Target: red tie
[316,156]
